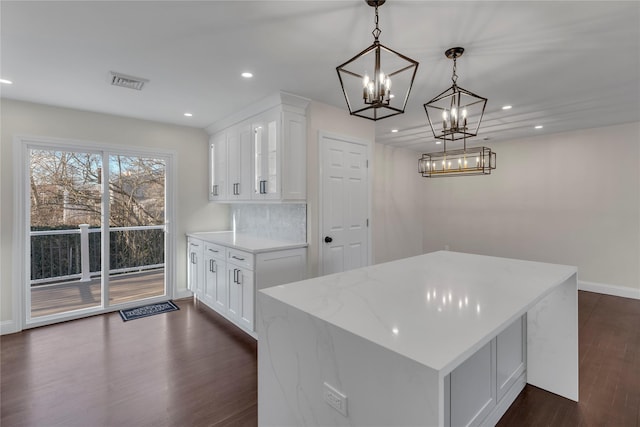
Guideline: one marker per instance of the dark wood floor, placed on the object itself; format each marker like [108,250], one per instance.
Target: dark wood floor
[191,368]
[609,342]
[184,368]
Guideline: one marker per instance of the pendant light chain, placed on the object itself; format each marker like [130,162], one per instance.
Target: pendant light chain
[454,77]
[377,31]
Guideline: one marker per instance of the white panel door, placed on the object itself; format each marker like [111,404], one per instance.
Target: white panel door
[344,204]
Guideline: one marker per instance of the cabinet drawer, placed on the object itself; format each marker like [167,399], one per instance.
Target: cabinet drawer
[216,251]
[240,258]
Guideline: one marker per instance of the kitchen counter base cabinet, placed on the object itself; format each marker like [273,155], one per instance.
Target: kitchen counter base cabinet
[478,392]
[442,339]
[226,279]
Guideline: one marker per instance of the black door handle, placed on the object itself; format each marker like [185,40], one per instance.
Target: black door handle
[328,239]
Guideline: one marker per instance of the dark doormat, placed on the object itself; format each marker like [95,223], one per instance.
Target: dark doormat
[148,310]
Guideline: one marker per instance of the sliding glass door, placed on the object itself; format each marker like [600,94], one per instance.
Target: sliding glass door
[97,231]
[136,228]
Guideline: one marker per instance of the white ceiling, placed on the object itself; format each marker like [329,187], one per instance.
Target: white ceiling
[564,65]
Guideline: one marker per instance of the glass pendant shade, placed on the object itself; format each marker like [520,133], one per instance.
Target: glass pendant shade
[377,81]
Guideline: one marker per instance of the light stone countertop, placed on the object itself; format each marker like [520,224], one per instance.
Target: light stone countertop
[437,308]
[245,242]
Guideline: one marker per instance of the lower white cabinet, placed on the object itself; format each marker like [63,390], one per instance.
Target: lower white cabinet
[195,271]
[215,279]
[241,296]
[481,389]
[226,278]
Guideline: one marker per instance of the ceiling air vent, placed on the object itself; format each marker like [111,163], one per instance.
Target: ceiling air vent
[123,80]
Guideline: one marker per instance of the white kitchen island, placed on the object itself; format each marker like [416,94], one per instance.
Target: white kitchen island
[435,340]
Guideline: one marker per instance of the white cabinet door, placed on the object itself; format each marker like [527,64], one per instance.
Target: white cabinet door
[294,156]
[239,145]
[280,267]
[195,280]
[241,295]
[218,167]
[511,355]
[266,156]
[473,388]
[215,291]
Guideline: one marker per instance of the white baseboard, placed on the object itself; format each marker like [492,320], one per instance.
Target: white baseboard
[8,327]
[186,293]
[602,288]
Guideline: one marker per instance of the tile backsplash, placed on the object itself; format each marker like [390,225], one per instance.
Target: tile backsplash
[285,222]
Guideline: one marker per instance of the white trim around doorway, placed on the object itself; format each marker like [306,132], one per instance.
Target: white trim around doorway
[22,143]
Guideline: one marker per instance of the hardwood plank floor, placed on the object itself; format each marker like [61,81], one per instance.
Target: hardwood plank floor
[184,368]
[192,368]
[609,352]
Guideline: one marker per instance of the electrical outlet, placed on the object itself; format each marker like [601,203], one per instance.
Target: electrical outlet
[335,399]
[446,247]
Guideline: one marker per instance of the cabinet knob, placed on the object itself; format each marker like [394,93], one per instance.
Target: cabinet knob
[328,239]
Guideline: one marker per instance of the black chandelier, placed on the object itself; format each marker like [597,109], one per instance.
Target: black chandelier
[374,89]
[461,112]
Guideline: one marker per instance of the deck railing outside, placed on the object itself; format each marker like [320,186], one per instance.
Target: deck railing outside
[63,255]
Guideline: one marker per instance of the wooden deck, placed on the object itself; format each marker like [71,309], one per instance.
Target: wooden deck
[68,296]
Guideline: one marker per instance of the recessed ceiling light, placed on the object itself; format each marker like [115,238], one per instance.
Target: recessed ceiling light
[5,81]
[539,127]
[438,142]
[247,75]
[188,114]
[506,107]
[394,130]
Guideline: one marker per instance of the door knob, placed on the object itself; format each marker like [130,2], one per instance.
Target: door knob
[328,239]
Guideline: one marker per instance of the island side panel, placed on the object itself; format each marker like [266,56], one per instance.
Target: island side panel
[298,353]
[552,341]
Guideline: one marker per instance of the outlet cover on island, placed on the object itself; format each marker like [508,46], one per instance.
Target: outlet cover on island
[446,247]
[335,399]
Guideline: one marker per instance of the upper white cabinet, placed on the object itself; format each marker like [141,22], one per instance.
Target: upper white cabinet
[267,129]
[264,155]
[218,167]
[239,162]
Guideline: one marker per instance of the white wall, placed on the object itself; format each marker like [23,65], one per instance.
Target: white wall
[569,198]
[397,199]
[323,117]
[193,212]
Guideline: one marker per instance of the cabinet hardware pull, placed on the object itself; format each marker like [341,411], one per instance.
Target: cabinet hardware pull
[239,277]
[213,250]
[215,190]
[193,257]
[238,258]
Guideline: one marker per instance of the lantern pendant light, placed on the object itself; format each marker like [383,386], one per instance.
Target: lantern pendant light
[456,114]
[366,79]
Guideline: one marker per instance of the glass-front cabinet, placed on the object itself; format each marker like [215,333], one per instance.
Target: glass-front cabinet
[218,167]
[266,159]
[261,156]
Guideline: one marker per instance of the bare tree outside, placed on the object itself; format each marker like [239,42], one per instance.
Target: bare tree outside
[66,191]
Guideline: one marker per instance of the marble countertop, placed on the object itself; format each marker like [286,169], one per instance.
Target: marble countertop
[245,242]
[437,308]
